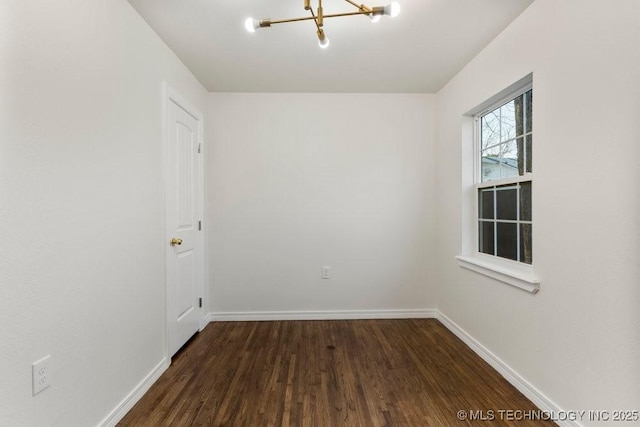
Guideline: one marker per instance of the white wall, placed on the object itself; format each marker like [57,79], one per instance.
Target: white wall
[578,339]
[81,205]
[298,181]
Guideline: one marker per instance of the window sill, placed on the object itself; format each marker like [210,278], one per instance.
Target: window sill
[520,278]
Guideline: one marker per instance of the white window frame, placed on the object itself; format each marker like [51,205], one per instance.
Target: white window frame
[515,273]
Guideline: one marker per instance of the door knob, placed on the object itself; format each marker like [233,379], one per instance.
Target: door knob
[176,241]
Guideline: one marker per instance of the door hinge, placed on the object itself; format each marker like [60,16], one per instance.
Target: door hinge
[199,225]
[199,147]
[200,302]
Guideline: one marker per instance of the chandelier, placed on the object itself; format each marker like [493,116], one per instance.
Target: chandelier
[374,13]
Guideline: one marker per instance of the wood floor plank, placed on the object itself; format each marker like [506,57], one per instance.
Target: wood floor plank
[408,372]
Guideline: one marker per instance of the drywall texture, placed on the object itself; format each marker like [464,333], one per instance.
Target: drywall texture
[578,340]
[81,205]
[300,181]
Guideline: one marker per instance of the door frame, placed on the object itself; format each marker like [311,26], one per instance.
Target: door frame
[169,95]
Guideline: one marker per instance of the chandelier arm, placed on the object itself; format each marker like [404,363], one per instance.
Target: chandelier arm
[315,21]
[308,18]
[361,7]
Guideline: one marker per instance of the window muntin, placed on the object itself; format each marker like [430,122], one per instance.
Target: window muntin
[504,185]
[504,221]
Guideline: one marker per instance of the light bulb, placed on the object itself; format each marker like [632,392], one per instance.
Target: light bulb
[392,9]
[323,40]
[375,17]
[324,43]
[251,24]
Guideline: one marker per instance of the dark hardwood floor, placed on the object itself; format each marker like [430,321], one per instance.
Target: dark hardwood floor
[410,372]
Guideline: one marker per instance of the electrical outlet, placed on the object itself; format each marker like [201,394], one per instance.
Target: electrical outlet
[326,272]
[41,374]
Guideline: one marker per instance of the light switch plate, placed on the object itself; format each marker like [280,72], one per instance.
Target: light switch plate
[326,272]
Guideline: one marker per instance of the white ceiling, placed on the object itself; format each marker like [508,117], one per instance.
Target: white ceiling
[417,52]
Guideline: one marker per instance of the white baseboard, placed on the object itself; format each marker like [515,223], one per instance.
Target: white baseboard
[136,394]
[208,318]
[523,386]
[526,388]
[321,315]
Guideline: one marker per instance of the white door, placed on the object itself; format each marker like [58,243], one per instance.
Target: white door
[184,237]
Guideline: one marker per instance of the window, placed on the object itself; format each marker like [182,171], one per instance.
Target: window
[497,184]
[504,137]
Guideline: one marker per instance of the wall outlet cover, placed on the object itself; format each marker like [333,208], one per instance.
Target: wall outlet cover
[41,374]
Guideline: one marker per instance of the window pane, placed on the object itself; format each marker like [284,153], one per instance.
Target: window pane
[490,129]
[508,157]
[529,110]
[485,234]
[521,155]
[493,152]
[509,153]
[526,248]
[485,207]
[506,203]
[508,168]
[507,121]
[490,169]
[528,152]
[491,163]
[518,104]
[507,240]
[525,201]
